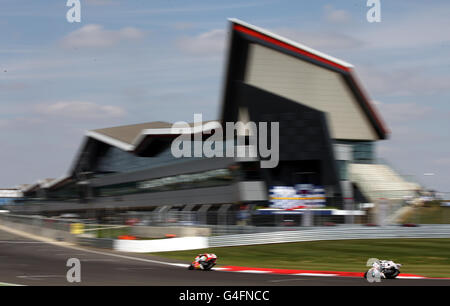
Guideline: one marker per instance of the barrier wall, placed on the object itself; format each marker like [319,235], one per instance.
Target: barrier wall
[192,243]
[161,245]
[54,234]
[161,232]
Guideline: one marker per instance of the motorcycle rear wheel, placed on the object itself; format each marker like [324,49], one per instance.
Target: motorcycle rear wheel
[394,275]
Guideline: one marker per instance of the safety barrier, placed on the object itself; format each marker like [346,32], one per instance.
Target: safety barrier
[342,232]
[338,233]
[428,231]
[161,245]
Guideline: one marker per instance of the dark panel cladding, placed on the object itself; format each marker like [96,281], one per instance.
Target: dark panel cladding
[236,66]
[303,131]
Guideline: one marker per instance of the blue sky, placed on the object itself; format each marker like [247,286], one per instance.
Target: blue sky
[137,61]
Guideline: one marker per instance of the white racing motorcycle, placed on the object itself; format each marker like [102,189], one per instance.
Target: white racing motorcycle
[386,268]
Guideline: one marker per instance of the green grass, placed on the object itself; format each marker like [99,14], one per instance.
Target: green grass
[113,232]
[8,284]
[428,257]
[433,214]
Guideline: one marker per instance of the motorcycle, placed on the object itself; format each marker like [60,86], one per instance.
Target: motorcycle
[386,268]
[203,262]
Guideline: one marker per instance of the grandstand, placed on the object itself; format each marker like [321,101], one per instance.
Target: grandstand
[380,181]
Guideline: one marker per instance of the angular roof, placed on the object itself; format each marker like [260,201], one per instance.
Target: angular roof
[39,184]
[128,133]
[129,137]
[242,31]
[57,182]
[268,36]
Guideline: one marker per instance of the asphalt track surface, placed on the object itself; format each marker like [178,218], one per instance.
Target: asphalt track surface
[29,262]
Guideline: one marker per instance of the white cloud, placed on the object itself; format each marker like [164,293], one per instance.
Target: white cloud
[80,110]
[211,42]
[336,16]
[95,36]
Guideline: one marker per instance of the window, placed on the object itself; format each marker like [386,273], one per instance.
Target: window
[363,151]
[342,168]
[211,178]
[118,161]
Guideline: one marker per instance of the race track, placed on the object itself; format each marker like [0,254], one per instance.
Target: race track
[29,262]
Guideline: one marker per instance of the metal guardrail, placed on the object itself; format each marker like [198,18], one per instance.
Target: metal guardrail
[222,230]
[55,223]
[252,235]
[338,233]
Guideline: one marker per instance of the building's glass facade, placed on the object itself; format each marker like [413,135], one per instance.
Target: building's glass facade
[362,151]
[343,169]
[68,191]
[116,160]
[211,178]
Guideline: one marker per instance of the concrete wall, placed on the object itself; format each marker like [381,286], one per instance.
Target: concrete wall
[41,231]
[141,231]
[160,232]
[161,245]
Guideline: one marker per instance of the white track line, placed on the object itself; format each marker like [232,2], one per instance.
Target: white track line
[253,271]
[21,242]
[40,276]
[314,274]
[73,247]
[9,284]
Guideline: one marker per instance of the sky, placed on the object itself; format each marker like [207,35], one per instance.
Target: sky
[137,61]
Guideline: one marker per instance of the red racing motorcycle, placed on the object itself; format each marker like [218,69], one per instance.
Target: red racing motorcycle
[203,262]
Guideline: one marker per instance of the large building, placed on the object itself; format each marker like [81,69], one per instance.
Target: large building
[327,124]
